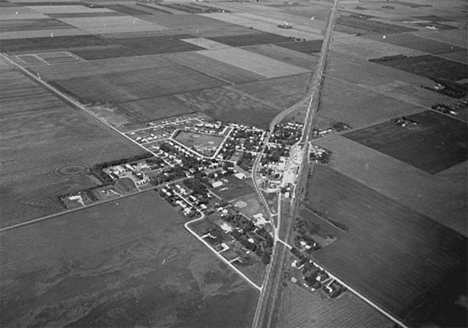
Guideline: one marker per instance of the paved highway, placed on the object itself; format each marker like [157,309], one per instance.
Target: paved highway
[268,298]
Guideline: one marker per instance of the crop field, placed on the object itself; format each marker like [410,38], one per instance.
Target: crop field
[396,265]
[34,45]
[154,108]
[441,197]
[279,93]
[418,43]
[233,189]
[302,309]
[87,14]
[31,25]
[306,47]
[372,26]
[46,148]
[101,25]
[158,44]
[206,43]
[212,67]
[129,262]
[101,67]
[429,66]
[230,105]
[367,49]
[268,25]
[131,10]
[436,144]
[250,39]
[255,63]
[359,107]
[137,84]
[285,55]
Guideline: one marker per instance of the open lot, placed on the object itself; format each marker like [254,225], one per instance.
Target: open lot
[125,263]
[441,197]
[392,255]
[46,148]
[200,141]
[234,188]
[436,144]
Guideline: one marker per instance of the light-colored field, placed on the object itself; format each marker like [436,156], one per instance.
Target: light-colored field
[20,14]
[205,43]
[100,67]
[441,197]
[100,25]
[302,309]
[285,55]
[264,26]
[255,63]
[456,37]
[67,9]
[367,49]
[212,67]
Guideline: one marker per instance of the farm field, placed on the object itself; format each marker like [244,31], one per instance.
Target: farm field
[285,55]
[441,197]
[230,105]
[306,47]
[301,309]
[417,255]
[125,263]
[429,66]
[250,39]
[436,144]
[46,148]
[360,107]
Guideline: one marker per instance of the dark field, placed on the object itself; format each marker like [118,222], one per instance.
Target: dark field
[35,45]
[127,263]
[439,143]
[394,256]
[158,44]
[137,84]
[429,66]
[372,26]
[306,47]
[417,43]
[46,148]
[250,39]
[80,15]
[31,25]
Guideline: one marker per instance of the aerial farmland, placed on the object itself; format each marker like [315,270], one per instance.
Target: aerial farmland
[216,163]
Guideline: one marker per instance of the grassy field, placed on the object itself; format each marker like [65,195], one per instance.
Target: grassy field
[302,309]
[438,142]
[126,263]
[306,47]
[46,148]
[441,197]
[285,55]
[250,39]
[396,265]
[198,140]
[235,188]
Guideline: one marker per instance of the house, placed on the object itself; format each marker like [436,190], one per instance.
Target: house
[240,175]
